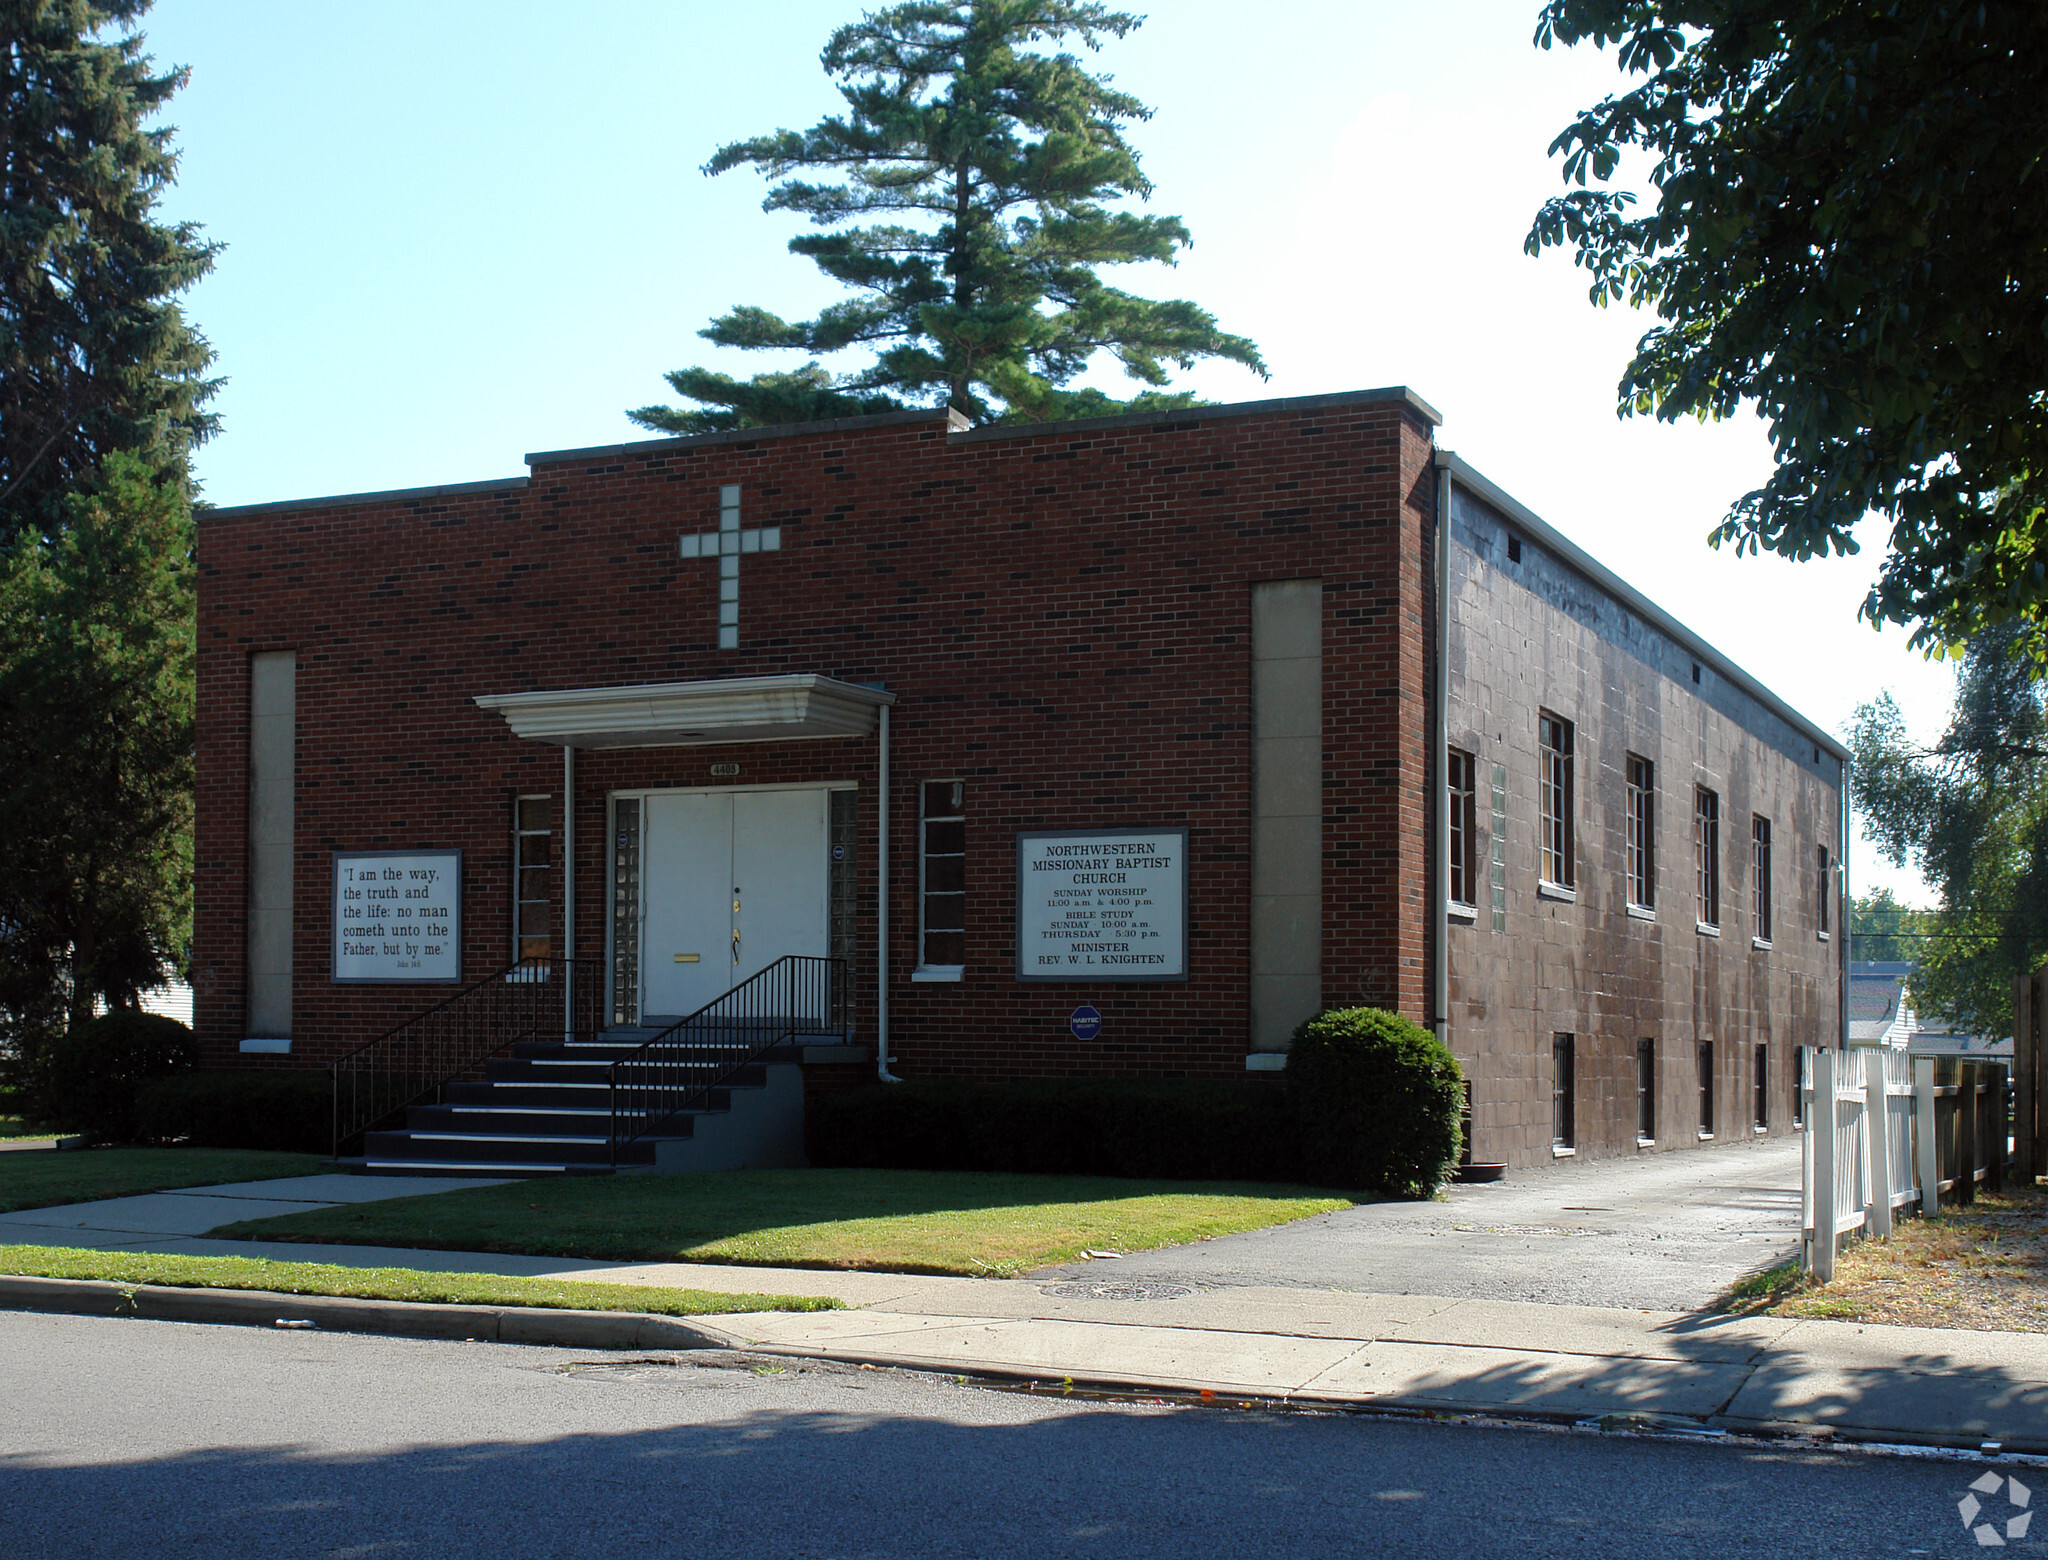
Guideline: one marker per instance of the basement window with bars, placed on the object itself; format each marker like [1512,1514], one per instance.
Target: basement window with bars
[942,880]
[1646,1091]
[1563,1094]
[533,887]
[1554,794]
[1706,1088]
[1464,822]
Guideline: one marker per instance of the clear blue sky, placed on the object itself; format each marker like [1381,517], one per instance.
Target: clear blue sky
[456,232]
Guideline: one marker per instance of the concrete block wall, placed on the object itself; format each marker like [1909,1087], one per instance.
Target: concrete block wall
[1536,634]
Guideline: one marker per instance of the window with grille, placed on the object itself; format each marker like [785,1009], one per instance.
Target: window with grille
[1821,895]
[1706,844]
[1464,821]
[1642,831]
[1646,1091]
[1563,1090]
[942,870]
[1554,793]
[1760,875]
[1706,1088]
[1763,1086]
[533,888]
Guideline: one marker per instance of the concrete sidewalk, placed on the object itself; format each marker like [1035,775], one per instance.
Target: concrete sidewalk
[143,1222]
[1322,1346]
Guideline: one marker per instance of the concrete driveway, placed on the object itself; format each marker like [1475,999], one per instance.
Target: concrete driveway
[1665,1232]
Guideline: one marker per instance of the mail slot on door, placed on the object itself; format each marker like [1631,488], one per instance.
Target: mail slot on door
[688,958]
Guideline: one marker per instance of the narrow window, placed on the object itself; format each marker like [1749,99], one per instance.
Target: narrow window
[1646,1091]
[1642,832]
[626,910]
[942,868]
[1763,1086]
[1760,875]
[1798,1088]
[1464,829]
[533,895]
[1706,844]
[1821,894]
[1706,1088]
[1554,791]
[1562,1090]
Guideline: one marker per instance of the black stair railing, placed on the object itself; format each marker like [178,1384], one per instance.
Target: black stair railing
[796,995]
[413,1064]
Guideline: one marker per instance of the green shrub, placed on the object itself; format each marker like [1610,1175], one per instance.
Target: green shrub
[1376,1099]
[96,1068]
[291,1112]
[1169,1129]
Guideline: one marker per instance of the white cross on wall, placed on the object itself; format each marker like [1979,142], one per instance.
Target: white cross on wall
[726,544]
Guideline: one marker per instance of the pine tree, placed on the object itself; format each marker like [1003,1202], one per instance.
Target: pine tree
[968,196]
[95,354]
[96,731]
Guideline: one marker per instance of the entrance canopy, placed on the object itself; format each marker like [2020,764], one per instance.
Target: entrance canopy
[693,714]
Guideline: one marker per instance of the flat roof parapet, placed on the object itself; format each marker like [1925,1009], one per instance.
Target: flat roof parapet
[350,500]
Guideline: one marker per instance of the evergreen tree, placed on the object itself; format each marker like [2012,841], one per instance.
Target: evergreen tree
[95,354]
[1972,814]
[968,196]
[96,733]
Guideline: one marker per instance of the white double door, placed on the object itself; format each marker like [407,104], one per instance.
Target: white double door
[731,881]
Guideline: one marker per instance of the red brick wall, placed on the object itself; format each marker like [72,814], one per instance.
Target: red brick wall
[1064,615]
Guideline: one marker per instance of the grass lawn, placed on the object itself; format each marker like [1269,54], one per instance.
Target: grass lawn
[1983,1267]
[35,1178]
[318,1278]
[896,1221]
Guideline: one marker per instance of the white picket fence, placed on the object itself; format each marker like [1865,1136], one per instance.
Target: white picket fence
[1879,1132]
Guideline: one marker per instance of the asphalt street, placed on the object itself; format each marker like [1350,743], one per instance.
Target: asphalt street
[1665,1232]
[132,1438]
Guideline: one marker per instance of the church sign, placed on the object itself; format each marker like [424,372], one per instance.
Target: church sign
[398,915]
[1102,904]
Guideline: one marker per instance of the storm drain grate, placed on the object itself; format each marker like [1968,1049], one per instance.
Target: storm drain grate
[1129,1289]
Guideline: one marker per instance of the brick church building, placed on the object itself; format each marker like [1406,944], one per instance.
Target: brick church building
[1115,747]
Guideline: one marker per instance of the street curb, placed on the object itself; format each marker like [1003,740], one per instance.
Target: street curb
[1189,1390]
[336,1313]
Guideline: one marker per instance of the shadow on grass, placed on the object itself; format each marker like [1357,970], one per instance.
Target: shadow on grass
[941,1222]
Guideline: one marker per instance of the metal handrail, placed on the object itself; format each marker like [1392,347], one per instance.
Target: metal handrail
[797,994]
[414,1062]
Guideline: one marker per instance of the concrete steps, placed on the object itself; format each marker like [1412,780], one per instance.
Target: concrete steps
[545,1109]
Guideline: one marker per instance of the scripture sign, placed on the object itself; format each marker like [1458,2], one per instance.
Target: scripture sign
[1102,904]
[398,915]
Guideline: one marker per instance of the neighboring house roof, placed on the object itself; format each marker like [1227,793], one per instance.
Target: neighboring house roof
[1881,1012]
[1880,1006]
[1939,1037]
